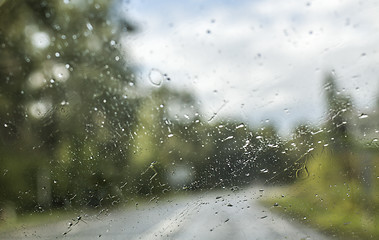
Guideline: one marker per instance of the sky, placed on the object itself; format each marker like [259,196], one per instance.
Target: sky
[259,61]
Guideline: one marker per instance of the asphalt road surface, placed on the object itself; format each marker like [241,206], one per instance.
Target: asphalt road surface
[212,215]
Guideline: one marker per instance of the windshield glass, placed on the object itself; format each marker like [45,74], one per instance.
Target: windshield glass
[182,120]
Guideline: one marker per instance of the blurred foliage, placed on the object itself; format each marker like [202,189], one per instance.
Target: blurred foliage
[332,202]
[64,84]
[339,194]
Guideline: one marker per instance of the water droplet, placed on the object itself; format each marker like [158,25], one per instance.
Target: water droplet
[52,81]
[240,126]
[363,116]
[113,42]
[5,125]
[41,40]
[156,77]
[57,54]
[89,26]
[228,138]
[170,135]
[117,58]
[247,142]
[272,145]
[258,137]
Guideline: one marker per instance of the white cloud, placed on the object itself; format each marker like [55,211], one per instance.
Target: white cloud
[266,55]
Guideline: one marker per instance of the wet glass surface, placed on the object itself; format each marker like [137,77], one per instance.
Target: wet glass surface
[189,120]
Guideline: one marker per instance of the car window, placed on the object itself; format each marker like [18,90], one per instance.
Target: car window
[189,120]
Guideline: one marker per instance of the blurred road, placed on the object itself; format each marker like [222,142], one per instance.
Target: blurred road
[212,215]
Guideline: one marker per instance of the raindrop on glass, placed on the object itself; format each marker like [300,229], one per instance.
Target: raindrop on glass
[156,77]
[89,26]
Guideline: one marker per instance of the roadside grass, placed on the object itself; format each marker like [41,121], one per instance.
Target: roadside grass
[329,202]
[35,219]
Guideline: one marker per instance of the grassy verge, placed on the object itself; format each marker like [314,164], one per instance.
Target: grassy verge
[330,202]
[342,220]
[30,220]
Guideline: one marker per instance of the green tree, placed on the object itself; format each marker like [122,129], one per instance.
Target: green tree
[65,108]
[166,139]
[339,118]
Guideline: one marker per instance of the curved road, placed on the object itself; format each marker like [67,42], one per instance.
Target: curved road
[211,215]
